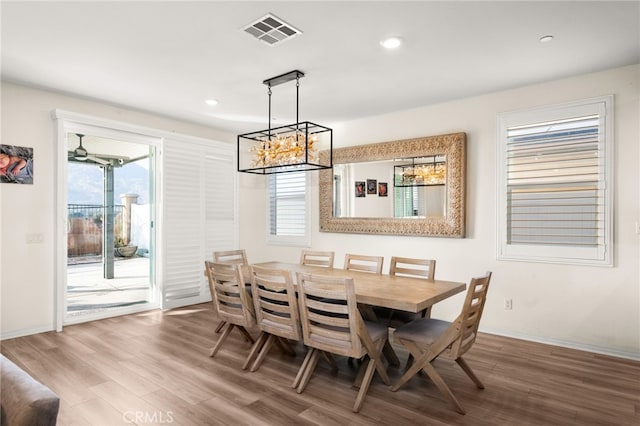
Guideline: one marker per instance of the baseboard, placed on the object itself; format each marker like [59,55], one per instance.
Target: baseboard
[565,344]
[109,313]
[25,332]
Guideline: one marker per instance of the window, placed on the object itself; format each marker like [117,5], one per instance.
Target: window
[555,184]
[288,207]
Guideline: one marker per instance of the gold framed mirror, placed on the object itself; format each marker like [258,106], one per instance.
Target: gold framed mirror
[413,201]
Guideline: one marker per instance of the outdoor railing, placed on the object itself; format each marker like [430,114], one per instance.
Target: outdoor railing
[84,228]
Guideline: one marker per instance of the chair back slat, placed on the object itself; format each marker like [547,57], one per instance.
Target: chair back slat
[333,337]
[329,314]
[327,306]
[357,262]
[231,300]
[410,267]
[231,256]
[469,319]
[275,302]
[317,258]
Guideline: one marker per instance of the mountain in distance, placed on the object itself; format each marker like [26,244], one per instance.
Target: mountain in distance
[85,183]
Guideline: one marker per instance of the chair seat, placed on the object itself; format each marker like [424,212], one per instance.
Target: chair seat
[423,331]
[376,330]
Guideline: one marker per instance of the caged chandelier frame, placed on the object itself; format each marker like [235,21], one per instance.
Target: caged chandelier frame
[289,148]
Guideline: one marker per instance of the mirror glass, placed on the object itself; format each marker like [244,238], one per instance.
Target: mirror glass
[401,188]
[406,187]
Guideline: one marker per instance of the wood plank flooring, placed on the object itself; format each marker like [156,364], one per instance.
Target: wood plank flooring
[154,368]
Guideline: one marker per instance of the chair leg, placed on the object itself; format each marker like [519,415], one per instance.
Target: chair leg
[303,368]
[263,352]
[442,386]
[462,363]
[409,362]
[390,354]
[313,362]
[220,325]
[364,386]
[255,349]
[246,334]
[410,372]
[222,338]
[360,374]
[382,370]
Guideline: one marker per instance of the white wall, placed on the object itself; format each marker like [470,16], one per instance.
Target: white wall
[594,308]
[27,270]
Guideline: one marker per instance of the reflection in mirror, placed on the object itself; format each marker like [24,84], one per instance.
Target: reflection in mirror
[407,187]
[404,188]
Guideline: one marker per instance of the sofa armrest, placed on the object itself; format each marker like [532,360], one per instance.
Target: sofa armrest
[24,400]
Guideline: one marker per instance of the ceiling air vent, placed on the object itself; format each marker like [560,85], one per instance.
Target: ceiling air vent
[271,30]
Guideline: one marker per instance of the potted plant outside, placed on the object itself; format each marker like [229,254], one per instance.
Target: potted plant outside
[122,248]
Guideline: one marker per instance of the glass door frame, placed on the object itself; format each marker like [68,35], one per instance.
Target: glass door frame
[68,122]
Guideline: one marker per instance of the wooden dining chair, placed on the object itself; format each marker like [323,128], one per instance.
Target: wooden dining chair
[427,338]
[317,258]
[331,323]
[235,257]
[231,300]
[357,262]
[276,309]
[412,268]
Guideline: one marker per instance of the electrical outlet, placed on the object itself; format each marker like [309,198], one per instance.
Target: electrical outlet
[508,304]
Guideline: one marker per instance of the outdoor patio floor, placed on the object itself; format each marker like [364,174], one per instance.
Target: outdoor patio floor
[88,291]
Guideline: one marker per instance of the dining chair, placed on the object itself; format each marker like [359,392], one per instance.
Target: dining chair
[238,257]
[412,268]
[428,338]
[276,309]
[317,258]
[357,262]
[331,323]
[231,300]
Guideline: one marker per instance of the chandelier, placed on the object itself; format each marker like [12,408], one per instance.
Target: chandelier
[428,172]
[289,148]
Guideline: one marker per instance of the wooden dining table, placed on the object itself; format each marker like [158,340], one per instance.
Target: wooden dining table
[388,291]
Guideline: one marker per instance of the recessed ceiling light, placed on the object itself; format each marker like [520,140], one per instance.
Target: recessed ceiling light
[391,42]
[211,102]
[546,39]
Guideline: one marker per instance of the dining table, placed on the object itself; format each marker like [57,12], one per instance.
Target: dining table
[388,291]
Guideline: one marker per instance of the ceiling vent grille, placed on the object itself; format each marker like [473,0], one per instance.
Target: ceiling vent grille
[271,30]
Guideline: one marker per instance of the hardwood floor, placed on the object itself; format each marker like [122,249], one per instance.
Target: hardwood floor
[154,368]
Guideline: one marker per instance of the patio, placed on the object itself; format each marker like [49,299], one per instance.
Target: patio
[89,292]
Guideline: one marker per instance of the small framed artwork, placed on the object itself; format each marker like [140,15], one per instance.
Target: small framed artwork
[382,189]
[16,164]
[360,189]
[371,186]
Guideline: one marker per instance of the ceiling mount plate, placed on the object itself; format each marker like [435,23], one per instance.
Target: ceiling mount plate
[283,78]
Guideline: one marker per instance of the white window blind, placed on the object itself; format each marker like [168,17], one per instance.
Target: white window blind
[199,212]
[288,207]
[220,204]
[555,186]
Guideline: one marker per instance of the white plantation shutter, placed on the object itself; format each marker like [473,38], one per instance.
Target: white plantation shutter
[555,184]
[288,208]
[198,215]
[220,206]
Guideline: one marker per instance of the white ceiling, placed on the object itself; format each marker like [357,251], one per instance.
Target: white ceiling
[168,57]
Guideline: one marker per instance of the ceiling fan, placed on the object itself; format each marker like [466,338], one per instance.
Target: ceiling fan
[81,154]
